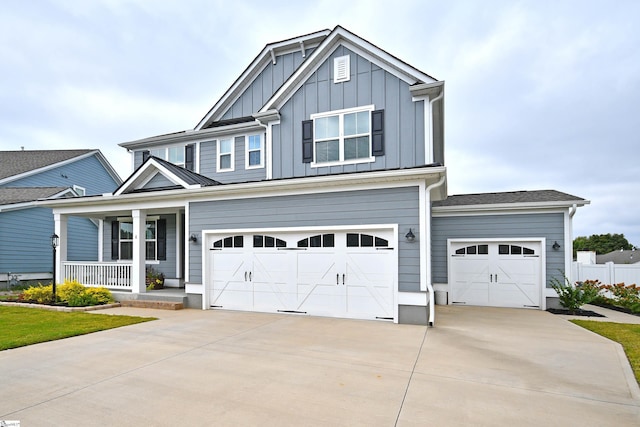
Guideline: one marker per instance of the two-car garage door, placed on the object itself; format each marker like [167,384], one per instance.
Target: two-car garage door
[347,273]
[496,273]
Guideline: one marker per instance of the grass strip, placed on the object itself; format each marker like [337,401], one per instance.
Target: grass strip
[25,326]
[624,333]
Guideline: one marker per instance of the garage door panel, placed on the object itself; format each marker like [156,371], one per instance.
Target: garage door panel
[316,272]
[505,275]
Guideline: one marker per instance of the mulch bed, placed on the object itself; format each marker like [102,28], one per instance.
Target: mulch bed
[579,312]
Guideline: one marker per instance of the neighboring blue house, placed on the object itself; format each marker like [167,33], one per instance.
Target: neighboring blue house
[25,229]
[317,184]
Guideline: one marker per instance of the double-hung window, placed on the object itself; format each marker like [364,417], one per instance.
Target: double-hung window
[154,239]
[341,137]
[225,155]
[180,155]
[254,153]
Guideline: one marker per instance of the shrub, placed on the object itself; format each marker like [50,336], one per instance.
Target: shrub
[573,297]
[41,294]
[625,296]
[70,292]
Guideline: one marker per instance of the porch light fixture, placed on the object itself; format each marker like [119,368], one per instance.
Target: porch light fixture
[556,245]
[194,238]
[410,236]
[55,240]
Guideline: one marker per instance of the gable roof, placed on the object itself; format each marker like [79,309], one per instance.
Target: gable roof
[521,198]
[179,176]
[18,164]
[326,41]
[11,195]
[619,257]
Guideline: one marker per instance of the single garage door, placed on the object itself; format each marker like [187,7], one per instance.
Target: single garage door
[349,273]
[498,274]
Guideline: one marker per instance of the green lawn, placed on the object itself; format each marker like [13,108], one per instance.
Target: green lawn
[625,333]
[22,326]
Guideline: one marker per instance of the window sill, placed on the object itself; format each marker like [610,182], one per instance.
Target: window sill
[254,167]
[349,162]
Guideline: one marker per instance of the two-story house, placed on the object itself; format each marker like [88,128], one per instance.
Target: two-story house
[25,228]
[317,184]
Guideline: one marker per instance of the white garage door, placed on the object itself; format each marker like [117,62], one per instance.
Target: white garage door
[339,274]
[498,274]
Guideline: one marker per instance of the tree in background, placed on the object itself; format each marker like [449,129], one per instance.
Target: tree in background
[601,243]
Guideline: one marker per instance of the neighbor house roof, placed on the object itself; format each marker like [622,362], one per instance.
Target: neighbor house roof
[12,195]
[18,162]
[509,199]
[619,257]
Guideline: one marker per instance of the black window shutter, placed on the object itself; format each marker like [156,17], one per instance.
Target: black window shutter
[307,141]
[188,157]
[161,236]
[145,155]
[377,133]
[115,240]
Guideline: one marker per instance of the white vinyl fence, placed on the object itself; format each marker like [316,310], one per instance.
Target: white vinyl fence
[607,274]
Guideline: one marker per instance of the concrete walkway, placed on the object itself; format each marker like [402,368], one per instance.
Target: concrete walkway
[478,366]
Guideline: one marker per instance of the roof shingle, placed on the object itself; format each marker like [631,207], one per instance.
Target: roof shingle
[17,162]
[11,195]
[536,196]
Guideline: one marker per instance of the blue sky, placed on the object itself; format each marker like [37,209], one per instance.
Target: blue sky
[539,94]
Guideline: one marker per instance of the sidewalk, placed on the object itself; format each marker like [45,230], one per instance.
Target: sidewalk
[610,315]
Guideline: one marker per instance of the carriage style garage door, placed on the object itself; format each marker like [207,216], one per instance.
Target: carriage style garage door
[350,273]
[498,274]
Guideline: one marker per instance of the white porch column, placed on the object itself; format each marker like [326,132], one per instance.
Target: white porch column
[138,285]
[100,240]
[60,228]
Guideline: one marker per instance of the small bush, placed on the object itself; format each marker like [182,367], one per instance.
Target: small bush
[41,294]
[573,297]
[70,292]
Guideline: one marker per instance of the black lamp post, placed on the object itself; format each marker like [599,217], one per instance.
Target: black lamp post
[54,244]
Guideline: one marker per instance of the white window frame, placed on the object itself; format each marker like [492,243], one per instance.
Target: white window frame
[341,137]
[165,153]
[219,155]
[80,191]
[121,240]
[248,150]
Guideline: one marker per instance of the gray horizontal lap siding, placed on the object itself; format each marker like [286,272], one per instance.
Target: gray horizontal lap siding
[88,173]
[368,85]
[549,226]
[265,85]
[383,206]
[82,237]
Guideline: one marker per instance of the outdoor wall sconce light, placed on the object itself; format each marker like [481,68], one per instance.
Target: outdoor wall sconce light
[55,240]
[410,236]
[556,245]
[194,238]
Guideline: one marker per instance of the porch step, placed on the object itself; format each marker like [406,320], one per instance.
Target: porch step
[162,305]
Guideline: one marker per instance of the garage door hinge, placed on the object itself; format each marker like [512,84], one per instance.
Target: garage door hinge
[292,311]
[215,306]
[384,318]
[531,306]
[384,249]
[292,249]
[458,302]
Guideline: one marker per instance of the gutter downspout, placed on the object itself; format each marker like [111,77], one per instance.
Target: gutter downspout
[430,112]
[432,310]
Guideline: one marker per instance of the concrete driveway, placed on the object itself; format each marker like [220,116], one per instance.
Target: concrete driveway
[478,366]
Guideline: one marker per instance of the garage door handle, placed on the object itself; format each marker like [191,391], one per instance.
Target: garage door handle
[337,279]
[343,279]
[249,276]
[491,278]
[245,276]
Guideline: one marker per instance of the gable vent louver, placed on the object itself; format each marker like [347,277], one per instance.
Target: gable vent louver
[341,69]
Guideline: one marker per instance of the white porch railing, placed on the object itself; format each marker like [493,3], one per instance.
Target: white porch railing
[107,274]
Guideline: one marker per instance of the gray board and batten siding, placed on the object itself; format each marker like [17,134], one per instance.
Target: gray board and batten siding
[380,206]
[266,84]
[208,162]
[547,225]
[368,85]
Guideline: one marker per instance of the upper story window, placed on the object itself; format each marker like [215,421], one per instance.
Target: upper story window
[179,155]
[348,136]
[254,152]
[225,155]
